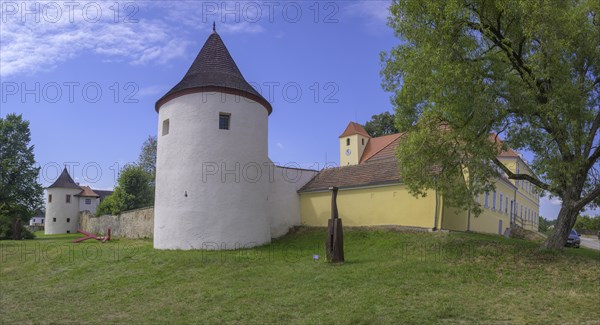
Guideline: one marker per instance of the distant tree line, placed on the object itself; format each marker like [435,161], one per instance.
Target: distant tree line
[587,223]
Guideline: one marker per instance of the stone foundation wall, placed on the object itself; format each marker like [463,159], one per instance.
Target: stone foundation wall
[137,223]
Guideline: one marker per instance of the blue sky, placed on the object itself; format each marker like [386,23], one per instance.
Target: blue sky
[87,76]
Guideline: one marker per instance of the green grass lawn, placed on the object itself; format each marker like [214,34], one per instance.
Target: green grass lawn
[388,277]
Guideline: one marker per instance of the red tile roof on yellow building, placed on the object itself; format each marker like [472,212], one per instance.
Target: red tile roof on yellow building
[381,147]
[372,173]
[354,128]
[378,164]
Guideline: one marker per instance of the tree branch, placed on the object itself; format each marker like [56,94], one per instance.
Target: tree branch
[592,195]
[591,136]
[526,177]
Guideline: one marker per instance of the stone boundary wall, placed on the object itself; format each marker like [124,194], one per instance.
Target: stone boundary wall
[137,223]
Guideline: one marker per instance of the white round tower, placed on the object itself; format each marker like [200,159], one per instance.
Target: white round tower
[212,168]
[62,206]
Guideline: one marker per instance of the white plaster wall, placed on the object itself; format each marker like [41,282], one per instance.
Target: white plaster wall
[284,200]
[88,207]
[61,210]
[38,220]
[217,213]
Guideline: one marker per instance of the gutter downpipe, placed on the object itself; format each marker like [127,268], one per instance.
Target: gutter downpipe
[513,214]
[469,219]
[435,217]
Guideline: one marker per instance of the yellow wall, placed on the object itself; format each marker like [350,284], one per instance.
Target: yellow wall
[383,205]
[489,220]
[356,147]
[527,196]
[454,219]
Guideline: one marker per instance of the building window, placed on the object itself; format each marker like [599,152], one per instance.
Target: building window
[486,199]
[494,200]
[68,198]
[49,198]
[500,201]
[506,208]
[224,119]
[68,231]
[165,127]
[348,141]
[68,219]
[88,201]
[42,221]
[363,142]
[53,219]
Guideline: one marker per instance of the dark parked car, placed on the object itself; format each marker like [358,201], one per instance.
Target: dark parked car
[573,239]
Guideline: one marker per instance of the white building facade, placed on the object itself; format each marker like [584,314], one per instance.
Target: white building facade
[64,200]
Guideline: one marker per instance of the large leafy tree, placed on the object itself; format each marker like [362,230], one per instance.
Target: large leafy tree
[134,190]
[20,192]
[527,70]
[381,124]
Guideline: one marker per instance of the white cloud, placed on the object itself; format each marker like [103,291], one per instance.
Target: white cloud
[376,11]
[152,91]
[280,145]
[40,42]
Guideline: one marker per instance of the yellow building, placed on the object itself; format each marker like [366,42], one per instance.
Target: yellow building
[371,192]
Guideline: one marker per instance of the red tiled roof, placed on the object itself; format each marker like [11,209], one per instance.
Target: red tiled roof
[86,191]
[370,173]
[381,147]
[509,152]
[354,128]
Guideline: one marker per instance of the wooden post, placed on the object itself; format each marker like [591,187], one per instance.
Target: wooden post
[335,232]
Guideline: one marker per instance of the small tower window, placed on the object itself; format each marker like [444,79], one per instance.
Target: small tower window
[49,198]
[68,198]
[165,127]
[348,141]
[68,219]
[224,119]
[53,219]
[363,142]
[88,201]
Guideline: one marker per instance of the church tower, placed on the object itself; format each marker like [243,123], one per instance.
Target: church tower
[212,160]
[352,144]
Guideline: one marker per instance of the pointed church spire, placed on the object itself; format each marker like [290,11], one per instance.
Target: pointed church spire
[214,70]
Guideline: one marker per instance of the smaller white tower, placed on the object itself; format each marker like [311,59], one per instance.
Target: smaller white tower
[62,205]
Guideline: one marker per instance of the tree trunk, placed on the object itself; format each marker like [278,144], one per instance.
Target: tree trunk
[565,222]
[16,229]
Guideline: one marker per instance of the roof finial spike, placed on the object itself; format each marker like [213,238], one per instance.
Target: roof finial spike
[214,27]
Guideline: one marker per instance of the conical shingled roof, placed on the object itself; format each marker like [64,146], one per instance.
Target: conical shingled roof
[64,181]
[214,70]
